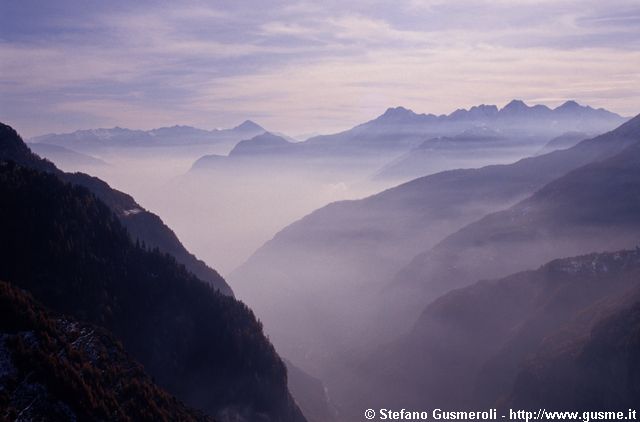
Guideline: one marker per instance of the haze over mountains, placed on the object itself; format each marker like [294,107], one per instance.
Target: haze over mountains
[361,294]
[400,128]
[410,210]
[200,344]
[362,161]
[556,337]
[66,158]
[259,150]
[592,208]
[346,256]
[303,175]
[354,244]
[564,141]
[465,138]
[467,149]
[96,140]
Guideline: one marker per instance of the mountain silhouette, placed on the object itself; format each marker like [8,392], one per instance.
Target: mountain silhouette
[65,157]
[96,140]
[400,128]
[371,146]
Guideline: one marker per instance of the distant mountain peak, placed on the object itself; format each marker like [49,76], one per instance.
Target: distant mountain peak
[515,105]
[248,126]
[571,105]
[268,136]
[397,110]
[481,111]
[265,142]
[399,115]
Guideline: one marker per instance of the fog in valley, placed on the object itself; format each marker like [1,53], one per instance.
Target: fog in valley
[457,232]
[222,216]
[248,195]
[356,241]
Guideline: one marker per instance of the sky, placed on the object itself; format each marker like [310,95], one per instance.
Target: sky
[305,67]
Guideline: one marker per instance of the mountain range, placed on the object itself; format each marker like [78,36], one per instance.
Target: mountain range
[428,289]
[409,128]
[376,263]
[431,143]
[347,252]
[93,140]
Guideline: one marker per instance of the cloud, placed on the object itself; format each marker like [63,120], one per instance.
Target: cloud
[307,66]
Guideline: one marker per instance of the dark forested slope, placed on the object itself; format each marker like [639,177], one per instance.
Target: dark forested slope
[66,247]
[55,368]
[140,223]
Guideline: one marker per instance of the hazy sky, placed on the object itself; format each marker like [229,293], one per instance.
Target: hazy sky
[303,67]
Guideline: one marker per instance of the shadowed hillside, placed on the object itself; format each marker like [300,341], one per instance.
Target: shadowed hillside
[142,224]
[562,337]
[67,248]
[347,252]
[593,208]
[55,368]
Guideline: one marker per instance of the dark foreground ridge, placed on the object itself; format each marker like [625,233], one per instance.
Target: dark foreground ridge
[65,246]
[140,223]
[55,368]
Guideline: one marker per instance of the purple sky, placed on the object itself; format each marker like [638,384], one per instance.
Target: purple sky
[302,67]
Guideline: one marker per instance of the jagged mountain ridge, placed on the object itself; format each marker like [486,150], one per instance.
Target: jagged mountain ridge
[485,113]
[410,128]
[369,147]
[117,137]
